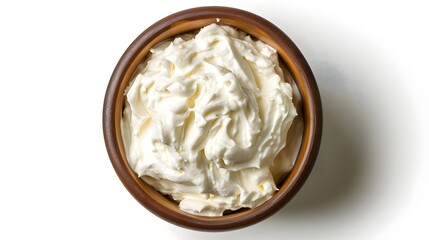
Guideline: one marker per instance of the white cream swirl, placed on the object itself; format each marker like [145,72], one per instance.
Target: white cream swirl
[205,119]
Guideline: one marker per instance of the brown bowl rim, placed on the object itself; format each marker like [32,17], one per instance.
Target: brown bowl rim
[312,131]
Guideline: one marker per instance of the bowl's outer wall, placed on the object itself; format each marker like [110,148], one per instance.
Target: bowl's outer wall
[297,65]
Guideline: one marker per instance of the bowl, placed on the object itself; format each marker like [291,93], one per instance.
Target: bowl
[293,60]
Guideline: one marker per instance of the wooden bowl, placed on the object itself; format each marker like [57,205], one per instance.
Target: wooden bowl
[194,19]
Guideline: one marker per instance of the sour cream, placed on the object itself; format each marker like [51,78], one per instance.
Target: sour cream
[205,118]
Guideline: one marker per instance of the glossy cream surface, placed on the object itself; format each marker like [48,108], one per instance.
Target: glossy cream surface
[205,117]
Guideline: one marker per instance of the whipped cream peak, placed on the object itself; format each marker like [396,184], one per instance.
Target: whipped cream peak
[206,117]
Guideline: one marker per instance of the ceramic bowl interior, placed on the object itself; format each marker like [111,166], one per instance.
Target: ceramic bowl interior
[191,20]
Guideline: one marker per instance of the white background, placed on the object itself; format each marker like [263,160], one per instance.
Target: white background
[370,61]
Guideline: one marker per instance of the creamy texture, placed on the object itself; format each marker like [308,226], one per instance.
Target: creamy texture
[205,118]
